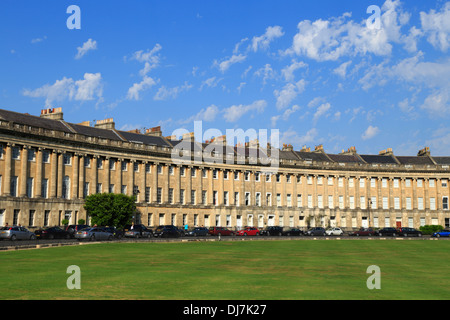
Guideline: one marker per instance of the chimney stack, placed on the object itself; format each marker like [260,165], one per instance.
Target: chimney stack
[155,131]
[52,113]
[105,124]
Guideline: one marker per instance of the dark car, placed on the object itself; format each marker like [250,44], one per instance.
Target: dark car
[364,232]
[118,234]
[73,228]
[52,233]
[137,231]
[388,232]
[316,231]
[198,231]
[409,232]
[220,231]
[272,231]
[167,231]
[292,232]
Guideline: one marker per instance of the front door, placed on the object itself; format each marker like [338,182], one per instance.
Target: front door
[365,222]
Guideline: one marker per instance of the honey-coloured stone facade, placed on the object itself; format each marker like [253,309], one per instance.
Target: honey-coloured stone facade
[48,166]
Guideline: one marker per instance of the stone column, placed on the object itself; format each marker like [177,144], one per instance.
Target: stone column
[23,172]
[75,176]
[54,174]
[8,161]
[81,175]
[60,175]
[38,180]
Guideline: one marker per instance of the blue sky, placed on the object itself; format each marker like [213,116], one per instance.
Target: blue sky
[314,70]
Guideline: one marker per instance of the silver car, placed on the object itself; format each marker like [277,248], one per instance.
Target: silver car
[93,234]
[334,232]
[16,233]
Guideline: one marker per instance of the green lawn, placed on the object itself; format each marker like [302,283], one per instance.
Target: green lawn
[231,270]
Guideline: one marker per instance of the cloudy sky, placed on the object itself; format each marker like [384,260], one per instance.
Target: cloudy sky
[321,72]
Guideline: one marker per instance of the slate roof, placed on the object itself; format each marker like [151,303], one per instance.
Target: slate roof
[149,140]
[410,160]
[34,121]
[95,132]
[345,158]
[312,156]
[442,160]
[377,159]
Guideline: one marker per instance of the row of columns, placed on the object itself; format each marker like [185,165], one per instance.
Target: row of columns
[130,179]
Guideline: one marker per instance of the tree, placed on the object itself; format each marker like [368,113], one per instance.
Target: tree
[110,209]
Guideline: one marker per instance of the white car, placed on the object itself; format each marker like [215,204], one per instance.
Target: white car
[334,232]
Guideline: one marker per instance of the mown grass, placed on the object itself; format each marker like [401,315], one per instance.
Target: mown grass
[237,270]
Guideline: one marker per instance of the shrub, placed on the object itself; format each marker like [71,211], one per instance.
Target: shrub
[430,229]
[109,209]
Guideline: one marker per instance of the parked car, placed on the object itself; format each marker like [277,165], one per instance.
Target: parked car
[248,231]
[16,233]
[272,231]
[220,231]
[167,231]
[388,232]
[442,233]
[73,228]
[93,234]
[409,232]
[316,231]
[52,233]
[292,232]
[334,232]
[364,232]
[118,234]
[198,231]
[137,231]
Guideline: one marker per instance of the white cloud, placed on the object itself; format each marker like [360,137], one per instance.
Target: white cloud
[266,72]
[235,112]
[88,88]
[288,71]
[285,116]
[87,46]
[289,92]
[171,93]
[436,25]
[225,64]
[321,110]
[37,40]
[329,40]
[146,83]
[263,41]
[437,104]
[370,133]
[209,114]
[151,60]
[292,137]
[210,82]
[342,69]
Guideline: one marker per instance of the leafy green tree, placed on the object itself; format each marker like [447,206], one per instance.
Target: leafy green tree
[110,209]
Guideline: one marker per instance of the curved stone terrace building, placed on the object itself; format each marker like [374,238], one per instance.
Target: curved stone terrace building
[48,166]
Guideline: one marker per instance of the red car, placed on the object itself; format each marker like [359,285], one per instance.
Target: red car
[220,231]
[248,231]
